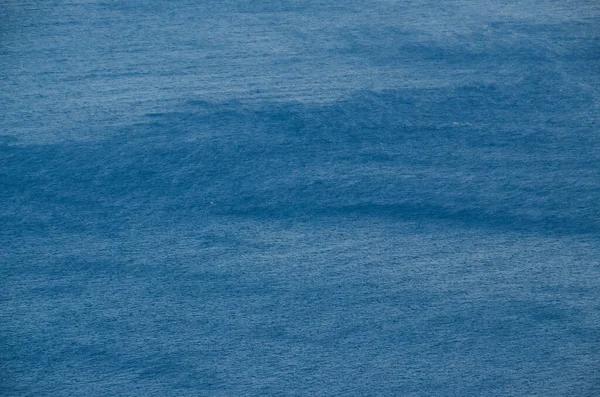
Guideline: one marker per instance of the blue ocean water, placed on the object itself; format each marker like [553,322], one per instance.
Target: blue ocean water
[310,198]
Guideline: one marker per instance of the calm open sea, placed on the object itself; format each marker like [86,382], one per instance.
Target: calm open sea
[299,198]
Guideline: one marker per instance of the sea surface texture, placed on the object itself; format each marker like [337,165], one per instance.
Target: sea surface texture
[299,198]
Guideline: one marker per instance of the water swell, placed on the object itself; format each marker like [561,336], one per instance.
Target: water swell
[423,155]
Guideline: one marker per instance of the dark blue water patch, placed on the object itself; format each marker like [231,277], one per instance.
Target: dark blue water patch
[453,155]
[494,44]
[425,213]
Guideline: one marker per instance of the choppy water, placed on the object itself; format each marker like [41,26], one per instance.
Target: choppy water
[385,198]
